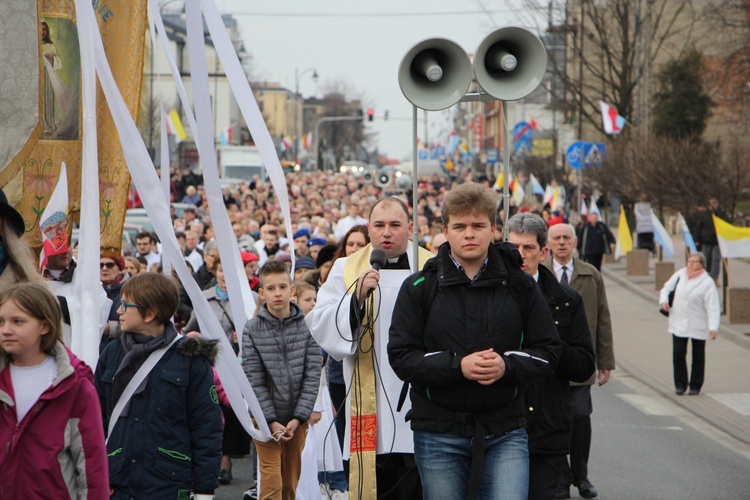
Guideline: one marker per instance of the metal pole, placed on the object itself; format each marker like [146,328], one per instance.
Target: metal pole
[506,172]
[296,114]
[581,38]
[415,201]
[151,107]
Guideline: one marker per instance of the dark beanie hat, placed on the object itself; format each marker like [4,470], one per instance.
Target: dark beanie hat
[304,263]
[326,254]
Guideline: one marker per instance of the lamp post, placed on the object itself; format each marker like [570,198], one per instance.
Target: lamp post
[151,90]
[298,119]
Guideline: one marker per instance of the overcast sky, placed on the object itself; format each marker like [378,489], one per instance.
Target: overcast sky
[361,44]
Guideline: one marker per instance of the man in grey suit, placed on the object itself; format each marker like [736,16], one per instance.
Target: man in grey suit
[588,282]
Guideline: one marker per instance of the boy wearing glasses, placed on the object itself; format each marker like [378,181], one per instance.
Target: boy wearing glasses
[282,363]
[167,439]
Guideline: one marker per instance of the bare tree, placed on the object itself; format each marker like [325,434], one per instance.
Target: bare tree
[727,53]
[733,177]
[344,138]
[612,46]
[674,174]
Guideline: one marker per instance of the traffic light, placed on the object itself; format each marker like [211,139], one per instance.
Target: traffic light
[386,115]
[370,114]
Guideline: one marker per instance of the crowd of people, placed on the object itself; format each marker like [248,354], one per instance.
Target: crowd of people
[464,373]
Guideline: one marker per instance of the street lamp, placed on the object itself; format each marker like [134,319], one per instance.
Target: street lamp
[298,119]
[151,91]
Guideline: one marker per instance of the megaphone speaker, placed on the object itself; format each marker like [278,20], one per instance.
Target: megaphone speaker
[435,74]
[383,179]
[404,182]
[510,63]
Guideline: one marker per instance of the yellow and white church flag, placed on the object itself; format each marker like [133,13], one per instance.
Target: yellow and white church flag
[734,241]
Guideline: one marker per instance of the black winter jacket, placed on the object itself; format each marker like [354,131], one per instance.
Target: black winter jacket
[464,318]
[170,440]
[594,239]
[550,420]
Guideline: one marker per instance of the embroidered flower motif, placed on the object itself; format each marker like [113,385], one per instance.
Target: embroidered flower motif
[39,183]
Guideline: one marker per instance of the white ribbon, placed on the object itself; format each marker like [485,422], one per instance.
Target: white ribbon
[148,185]
[164,151]
[87,270]
[249,108]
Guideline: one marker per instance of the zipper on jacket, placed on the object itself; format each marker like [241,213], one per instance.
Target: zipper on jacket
[116,452]
[174,454]
[289,371]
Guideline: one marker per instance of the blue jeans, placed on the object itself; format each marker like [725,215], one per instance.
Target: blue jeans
[444,462]
[336,479]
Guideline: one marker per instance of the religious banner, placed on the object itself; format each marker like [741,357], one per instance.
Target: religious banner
[31,175]
[19,89]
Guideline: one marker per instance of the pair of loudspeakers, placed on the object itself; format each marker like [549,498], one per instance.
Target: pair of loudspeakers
[436,73]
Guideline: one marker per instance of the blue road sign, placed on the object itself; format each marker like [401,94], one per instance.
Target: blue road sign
[522,148]
[594,153]
[523,132]
[492,155]
[574,155]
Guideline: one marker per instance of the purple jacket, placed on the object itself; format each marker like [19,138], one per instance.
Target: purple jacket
[57,450]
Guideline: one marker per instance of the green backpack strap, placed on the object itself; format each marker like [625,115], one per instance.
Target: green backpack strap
[429,283]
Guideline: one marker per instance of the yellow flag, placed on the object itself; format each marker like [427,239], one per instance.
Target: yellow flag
[734,241]
[176,124]
[499,182]
[624,237]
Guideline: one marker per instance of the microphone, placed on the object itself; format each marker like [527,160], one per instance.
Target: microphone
[378,258]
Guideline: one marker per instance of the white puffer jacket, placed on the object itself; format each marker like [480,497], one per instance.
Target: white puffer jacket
[695,310]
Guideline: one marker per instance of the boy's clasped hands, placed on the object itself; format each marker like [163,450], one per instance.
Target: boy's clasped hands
[281,433]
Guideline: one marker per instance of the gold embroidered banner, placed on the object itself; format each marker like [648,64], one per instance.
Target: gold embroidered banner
[37,168]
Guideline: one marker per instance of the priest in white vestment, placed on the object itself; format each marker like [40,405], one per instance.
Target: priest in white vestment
[378,439]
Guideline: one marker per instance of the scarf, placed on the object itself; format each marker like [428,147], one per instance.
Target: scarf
[137,348]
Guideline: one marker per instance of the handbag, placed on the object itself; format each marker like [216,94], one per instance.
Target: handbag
[670,299]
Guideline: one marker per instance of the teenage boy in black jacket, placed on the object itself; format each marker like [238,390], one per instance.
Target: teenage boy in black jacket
[468,348]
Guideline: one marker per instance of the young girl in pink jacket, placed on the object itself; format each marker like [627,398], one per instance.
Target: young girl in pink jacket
[51,429]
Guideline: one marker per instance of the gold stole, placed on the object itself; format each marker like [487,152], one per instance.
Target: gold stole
[363,410]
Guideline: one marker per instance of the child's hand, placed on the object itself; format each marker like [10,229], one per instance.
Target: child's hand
[315,417]
[291,427]
[278,432]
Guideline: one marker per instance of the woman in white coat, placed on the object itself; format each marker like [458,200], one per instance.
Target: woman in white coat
[695,314]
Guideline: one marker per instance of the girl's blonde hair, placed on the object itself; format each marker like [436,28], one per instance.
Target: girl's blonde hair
[302,287]
[38,302]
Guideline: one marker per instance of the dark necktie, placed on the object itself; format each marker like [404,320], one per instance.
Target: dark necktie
[564,277]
